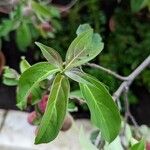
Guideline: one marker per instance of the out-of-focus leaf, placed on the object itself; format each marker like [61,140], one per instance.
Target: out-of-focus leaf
[72,107]
[137,5]
[10,82]
[5,27]
[41,10]
[10,77]
[138,146]
[54,11]
[23,36]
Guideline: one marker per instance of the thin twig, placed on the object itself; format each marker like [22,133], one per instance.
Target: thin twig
[107,71]
[127,109]
[68,6]
[131,77]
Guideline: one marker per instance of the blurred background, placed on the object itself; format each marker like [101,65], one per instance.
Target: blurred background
[123,24]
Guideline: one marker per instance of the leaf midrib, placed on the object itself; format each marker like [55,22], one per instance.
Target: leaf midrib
[74,59]
[54,102]
[26,95]
[98,107]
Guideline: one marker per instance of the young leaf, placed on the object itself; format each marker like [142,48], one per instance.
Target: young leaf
[104,112]
[30,79]
[10,77]
[85,47]
[82,28]
[51,55]
[139,146]
[10,82]
[41,9]
[5,27]
[23,36]
[137,5]
[24,65]
[55,111]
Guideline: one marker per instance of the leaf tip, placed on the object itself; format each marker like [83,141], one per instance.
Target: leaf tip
[38,44]
[20,106]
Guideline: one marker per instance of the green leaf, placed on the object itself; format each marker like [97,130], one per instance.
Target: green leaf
[23,36]
[72,107]
[76,75]
[139,146]
[54,11]
[137,5]
[10,77]
[82,28]
[30,79]
[41,9]
[79,76]
[5,27]
[10,73]
[36,91]
[54,115]
[10,82]
[51,55]
[84,48]
[24,65]
[104,112]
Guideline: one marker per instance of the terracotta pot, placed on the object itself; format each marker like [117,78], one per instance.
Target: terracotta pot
[2,61]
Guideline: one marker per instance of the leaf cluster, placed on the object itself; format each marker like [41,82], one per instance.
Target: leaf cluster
[30,20]
[104,112]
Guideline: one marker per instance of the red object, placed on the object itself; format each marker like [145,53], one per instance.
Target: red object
[31,117]
[112,24]
[42,104]
[148,146]
[46,27]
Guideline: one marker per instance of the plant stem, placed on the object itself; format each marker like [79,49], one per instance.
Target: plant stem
[107,71]
[131,77]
